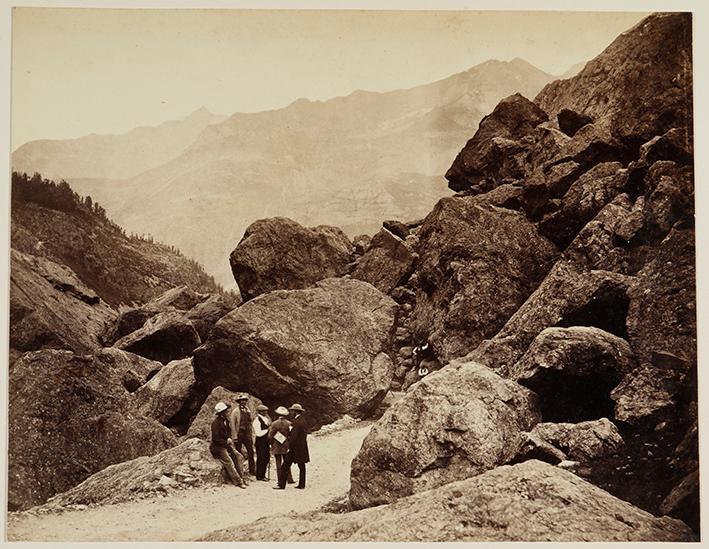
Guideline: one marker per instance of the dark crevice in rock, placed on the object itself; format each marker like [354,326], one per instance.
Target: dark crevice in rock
[565,398]
[606,310]
[181,421]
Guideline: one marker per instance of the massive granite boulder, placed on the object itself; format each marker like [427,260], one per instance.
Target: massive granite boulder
[639,87]
[530,501]
[280,254]
[455,423]
[492,152]
[573,370]
[386,263]
[134,370]
[50,308]
[167,392]
[186,465]
[325,347]
[202,422]
[477,265]
[647,394]
[69,416]
[164,337]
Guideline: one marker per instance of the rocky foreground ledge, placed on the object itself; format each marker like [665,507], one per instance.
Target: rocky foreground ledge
[531,501]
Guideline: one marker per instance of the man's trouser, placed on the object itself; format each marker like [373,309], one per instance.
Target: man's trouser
[262,456]
[279,469]
[287,462]
[245,440]
[224,456]
[238,459]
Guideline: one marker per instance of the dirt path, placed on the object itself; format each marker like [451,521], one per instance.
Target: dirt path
[186,515]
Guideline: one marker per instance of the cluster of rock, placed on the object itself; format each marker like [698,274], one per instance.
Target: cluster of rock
[554,296]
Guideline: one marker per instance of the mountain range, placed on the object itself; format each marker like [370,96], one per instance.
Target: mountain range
[350,161]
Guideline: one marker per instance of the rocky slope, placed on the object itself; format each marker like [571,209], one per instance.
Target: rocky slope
[121,269]
[351,162]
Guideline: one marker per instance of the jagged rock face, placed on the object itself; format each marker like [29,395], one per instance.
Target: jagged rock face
[164,337]
[50,308]
[669,198]
[453,424]
[491,151]
[386,263]
[201,425]
[478,264]
[531,501]
[683,501]
[280,254]
[578,291]
[325,347]
[166,392]
[639,87]
[583,201]
[186,465]
[582,441]
[662,309]
[69,416]
[573,370]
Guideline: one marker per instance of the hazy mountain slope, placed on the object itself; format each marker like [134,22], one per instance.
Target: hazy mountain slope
[56,224]
[351,161]
[112,156]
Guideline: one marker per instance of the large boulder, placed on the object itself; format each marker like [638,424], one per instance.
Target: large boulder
[491,153]
[164,337]
[639,87]
[453,424]
[50,308]
[133,369]
[167,392]
[280,254]
[202,422]
[181,298]
[69,416]
[683,501]
[647,394]
[571,121]
[669,198]
[386,263]
[573,370]
[530,501]
[581,441]
[186,465]
[325,347]
[477,265]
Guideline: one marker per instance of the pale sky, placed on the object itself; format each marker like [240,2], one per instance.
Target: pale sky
[82,71]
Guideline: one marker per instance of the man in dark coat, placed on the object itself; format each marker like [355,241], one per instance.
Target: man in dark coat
[278,436]
[297,448]
[221,441]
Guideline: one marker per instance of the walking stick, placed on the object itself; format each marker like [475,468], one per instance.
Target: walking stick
[268,469]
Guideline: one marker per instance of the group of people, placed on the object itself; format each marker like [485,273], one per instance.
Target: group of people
[235,433]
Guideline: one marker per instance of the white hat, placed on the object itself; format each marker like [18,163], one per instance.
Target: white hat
[282,411]
[220,407]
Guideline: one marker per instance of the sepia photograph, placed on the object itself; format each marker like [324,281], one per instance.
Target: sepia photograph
[376,274]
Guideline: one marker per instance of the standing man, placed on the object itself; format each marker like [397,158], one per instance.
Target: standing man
[297,448]
[278,435]
[220,444]
[242,430]
[260,427]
